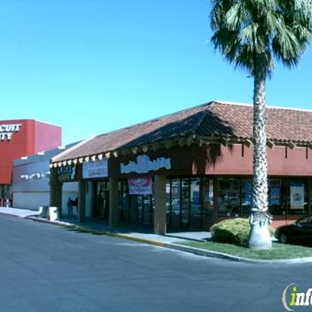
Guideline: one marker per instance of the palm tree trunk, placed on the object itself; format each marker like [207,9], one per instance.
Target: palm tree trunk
[259,219]
[260,184]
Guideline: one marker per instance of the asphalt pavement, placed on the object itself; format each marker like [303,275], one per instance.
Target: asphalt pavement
[143,235]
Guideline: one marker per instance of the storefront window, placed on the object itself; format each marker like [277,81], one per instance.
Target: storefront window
[124,200]
[175,207]
[234,197]
[168,201]
[186,200]
[285,197]
[148,209]
[246,197]
[136,208]
[144,209]
[277,196]
[298,199]
[189,203]
[196,207]
[207,196]
[288,196]
[229,200]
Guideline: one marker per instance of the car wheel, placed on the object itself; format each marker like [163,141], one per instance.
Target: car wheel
[283,238]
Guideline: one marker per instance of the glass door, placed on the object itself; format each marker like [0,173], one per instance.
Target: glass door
[196,207]
[175,205]
[101,206]
[186,204]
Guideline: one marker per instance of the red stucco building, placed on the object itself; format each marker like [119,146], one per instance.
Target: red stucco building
[190,169]
[20,138]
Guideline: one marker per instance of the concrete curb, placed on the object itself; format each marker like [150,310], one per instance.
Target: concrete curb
[219,255]
[201,252]
[193,250]
[204,252]
[139,239]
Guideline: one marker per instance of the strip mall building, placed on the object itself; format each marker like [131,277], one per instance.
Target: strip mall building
[20,138]
[190,169]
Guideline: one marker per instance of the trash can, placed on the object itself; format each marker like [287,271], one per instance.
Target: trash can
[53,213]
[43,212]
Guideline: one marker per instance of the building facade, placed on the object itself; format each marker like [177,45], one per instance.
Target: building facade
[190,169]
[20,138]
[30,187]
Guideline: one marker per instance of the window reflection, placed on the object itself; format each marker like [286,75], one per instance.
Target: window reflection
[228,197]
[189,203]
[135,208]
[195,203]
[234,197]
[288,196]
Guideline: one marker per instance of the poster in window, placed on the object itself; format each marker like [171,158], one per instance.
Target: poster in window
[140,186]
[296,196]
[275,195]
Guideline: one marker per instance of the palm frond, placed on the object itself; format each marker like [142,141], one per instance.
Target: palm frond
[245,30]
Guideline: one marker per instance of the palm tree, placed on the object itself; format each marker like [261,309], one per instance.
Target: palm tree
[249,34]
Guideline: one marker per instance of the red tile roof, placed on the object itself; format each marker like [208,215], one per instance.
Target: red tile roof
[209,121]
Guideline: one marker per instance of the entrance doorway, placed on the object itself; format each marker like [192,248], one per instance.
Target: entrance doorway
[137,209]
[101,205]
[189,203]
[5,199]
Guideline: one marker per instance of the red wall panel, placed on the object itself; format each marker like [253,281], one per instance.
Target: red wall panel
[282,161]
[21,138]
[46,137]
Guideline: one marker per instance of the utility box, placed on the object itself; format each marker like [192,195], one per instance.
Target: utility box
[53,213]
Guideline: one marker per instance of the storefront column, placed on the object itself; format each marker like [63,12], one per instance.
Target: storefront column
[113,203]
[81,201]
[55,190]
[160,222]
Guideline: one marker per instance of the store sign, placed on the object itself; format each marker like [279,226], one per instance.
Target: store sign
[35,176]
[144,164]
[95,169]
[140,186]
[67,173]
[7,131]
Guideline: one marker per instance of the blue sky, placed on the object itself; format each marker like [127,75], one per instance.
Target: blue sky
[93,66]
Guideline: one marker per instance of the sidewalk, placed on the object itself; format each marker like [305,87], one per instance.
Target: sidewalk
[125,231]
[141,234]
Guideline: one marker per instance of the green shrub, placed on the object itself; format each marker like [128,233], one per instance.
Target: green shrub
[233,231]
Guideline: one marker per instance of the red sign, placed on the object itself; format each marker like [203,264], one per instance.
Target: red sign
[140,186]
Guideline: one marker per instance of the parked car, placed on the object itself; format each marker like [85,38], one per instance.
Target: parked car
[299,232]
